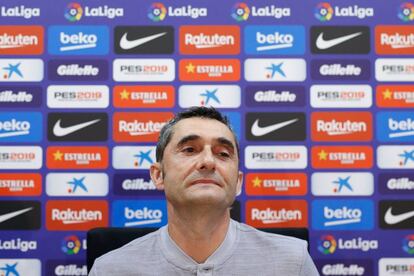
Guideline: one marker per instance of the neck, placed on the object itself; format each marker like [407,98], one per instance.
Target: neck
[198,236]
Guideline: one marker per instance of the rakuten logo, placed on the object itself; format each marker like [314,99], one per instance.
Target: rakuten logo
[70,216]
[268,215]
[394,40]
[281,213]
[398,41]
[341,126]
[139,127]
[21,40]
[77,215]
[210,40]
[333,127]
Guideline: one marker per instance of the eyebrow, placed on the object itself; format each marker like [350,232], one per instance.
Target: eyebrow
[193,137]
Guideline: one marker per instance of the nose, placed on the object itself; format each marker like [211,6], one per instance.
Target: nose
[206,160]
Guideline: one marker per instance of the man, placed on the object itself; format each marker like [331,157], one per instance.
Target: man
[197,167]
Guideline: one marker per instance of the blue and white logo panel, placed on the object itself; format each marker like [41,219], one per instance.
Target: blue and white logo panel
[78,40]
[395,126]
[20,127]
[343,214]
[274,40]
[139,213]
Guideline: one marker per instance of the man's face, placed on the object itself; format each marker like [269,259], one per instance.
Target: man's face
[200,165]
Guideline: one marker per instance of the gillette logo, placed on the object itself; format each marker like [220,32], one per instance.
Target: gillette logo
[342,216]
[144,216]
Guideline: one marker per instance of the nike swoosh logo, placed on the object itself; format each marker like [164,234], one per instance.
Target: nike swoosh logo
[323,44]
[394,219]
[11,215]
[129,44]
[63,131]
[260,131]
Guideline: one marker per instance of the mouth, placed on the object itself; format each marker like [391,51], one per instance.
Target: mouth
[205,181]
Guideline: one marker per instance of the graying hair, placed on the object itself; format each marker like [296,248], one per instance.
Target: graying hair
[197,112]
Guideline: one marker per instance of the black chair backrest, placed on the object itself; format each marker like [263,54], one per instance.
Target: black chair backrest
[102,240]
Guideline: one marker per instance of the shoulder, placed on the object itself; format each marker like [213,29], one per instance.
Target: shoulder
[143,250]
[272,245]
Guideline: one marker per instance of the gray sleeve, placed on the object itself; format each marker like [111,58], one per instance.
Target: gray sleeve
[93,271]
[308,267]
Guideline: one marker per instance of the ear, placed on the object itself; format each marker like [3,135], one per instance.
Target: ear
[157,176]
[239,183]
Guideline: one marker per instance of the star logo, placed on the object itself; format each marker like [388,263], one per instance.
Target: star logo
[10,270]
[275,69]
[407,156]
[342,182]
[77,183]
[387,94]
[143,156]
[190,68]
[125,95]
[210,95]
[322,155]
[257,182]
[57,155]
[13,69]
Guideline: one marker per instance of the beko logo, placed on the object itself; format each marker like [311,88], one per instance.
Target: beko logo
[400,126]
[341,216]
[268,39]
[20,127]
[19,11]
[78,40]
[145,212]
[143,216]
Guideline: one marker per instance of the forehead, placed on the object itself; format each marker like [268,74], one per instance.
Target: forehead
[203,127]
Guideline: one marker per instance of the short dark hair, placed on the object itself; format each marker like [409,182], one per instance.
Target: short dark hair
[193,112]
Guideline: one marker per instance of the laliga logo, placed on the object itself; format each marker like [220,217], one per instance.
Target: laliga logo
[408,244]
[406,12]
[73,12]
[323,12]
[71,245]
[327,244]
[240,12]
[157,12]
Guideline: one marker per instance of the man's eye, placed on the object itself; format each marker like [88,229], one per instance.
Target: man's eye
[224,154]
[188,149]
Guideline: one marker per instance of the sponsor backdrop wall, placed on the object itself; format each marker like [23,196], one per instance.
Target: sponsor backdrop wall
[319,93]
